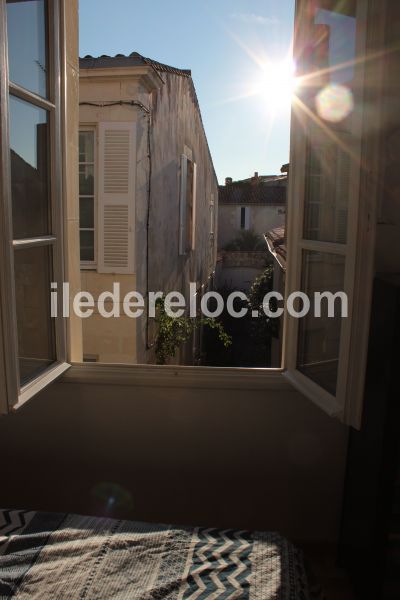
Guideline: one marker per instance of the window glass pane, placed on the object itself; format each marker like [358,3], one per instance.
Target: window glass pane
[86,146]
[336,40]
[327,191]
[332,51]
[36,345]
[87,245]
[86,180]
[86,213]
[242,217]
[319,337]
[29,169]
[27,44]
[334,96]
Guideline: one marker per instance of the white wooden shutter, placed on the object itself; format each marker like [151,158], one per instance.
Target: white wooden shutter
[116,197]
[182,205]
[212,215]
[194,206]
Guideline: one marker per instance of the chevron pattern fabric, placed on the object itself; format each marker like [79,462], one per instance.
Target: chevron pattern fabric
[220,566]
[51,555]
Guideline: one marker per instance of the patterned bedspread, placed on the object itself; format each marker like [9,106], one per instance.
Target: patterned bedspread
[57,556]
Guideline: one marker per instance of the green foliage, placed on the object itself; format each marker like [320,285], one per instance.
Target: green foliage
[247,240]
[174,331]
[263,285]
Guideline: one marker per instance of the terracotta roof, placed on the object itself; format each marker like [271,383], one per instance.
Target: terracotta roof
[252,193]
[277,245]
[133,60]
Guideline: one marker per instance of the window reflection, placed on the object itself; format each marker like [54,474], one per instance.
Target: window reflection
[29,170]
[327,191]
[330,168]
[319,337]
[36,347]
[87,245]
[338,44]
[27,44]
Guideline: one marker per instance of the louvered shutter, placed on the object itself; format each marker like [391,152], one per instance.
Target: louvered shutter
[116,194]
[194,199]
[182,205]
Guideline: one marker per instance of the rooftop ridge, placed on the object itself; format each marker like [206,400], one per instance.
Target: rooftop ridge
[133,59]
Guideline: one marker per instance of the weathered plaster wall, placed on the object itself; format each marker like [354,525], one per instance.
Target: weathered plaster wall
[388,230]
[175,124]
[115,340]
[262,219]
[238,270]
[110,340]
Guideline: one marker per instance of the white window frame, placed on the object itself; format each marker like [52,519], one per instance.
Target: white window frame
[91,265]
[358,253]
[17,394]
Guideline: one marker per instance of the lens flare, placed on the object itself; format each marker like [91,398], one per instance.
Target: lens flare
[276,85]
[110,496]
[334,103]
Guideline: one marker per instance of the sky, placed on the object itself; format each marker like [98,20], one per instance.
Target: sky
[234,49]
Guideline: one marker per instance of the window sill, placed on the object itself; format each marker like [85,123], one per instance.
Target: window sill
[178,377]
[37,385]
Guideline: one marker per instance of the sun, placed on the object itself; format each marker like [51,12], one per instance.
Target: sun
[276,84]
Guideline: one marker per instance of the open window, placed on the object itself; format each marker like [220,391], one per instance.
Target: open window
[331,208]
[31,219]
[330,235]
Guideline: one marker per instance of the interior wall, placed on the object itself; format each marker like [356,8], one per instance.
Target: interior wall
[267,460]
[388,230]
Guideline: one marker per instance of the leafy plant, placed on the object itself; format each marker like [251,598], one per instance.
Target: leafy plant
[246,241]
[174,331]
[266,326]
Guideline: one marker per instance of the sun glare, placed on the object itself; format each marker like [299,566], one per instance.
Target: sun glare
[276,85]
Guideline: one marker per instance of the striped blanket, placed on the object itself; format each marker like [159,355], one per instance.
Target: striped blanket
[64,556]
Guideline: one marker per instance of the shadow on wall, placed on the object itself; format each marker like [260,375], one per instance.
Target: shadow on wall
[266,460]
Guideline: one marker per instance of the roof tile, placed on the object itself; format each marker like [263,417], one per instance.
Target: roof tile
[250,193]
[133,60]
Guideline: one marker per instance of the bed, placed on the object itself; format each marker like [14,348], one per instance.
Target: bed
[52,555]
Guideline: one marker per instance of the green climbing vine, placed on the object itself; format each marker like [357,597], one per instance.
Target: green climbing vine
[174,331]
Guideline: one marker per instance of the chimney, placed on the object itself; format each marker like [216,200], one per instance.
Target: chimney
[285,168]
[228,180]
[256,175]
